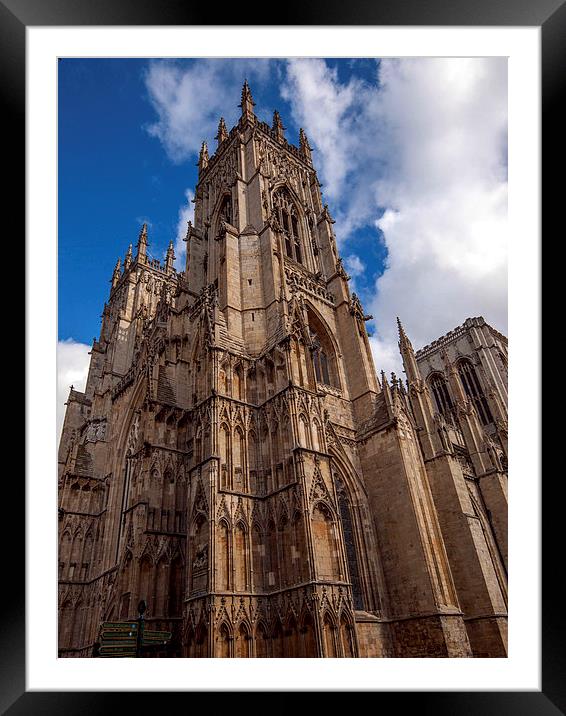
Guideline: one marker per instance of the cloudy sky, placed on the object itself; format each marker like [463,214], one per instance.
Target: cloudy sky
[412,155]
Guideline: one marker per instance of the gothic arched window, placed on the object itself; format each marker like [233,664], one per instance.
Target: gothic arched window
[350,542]
[225,212]
[320,360]
[323,353]
[474,391]
[442,397]
[289,223]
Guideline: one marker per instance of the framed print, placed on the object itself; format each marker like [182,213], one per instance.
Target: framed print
[207,472]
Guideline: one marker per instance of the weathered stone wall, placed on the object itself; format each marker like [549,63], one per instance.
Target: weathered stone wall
[236,463]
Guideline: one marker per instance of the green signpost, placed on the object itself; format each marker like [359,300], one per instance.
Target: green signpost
[129,639]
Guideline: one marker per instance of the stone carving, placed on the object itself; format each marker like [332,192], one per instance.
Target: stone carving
[260,512]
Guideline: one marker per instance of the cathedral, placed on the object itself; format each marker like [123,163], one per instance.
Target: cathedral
[236,462]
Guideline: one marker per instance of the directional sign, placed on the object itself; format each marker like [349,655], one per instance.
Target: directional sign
[120,639]
[109,636]
[119,625]
[117,649]
[151,636]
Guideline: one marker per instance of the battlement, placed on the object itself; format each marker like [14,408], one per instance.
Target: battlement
[449,337]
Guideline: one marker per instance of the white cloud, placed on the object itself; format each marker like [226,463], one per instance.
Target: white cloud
[427,145]
[186,214]
[355,268]
[189,100]
[322,106]
[72,369]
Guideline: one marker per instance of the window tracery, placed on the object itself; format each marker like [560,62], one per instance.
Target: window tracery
[474,391]
[286,213]
[442,397]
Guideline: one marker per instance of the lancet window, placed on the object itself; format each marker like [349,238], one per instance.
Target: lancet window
[474,391]
[289,224]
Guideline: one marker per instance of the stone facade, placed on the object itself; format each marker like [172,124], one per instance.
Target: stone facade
[236,462]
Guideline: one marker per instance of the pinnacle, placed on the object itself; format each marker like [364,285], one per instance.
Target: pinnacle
[222,133]
[247,103]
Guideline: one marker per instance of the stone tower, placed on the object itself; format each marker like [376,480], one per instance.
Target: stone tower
[235,461]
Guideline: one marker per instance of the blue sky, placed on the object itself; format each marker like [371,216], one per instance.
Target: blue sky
[114,174]
[411,154]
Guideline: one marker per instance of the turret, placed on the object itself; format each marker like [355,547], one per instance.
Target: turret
[222,134]
[141,254]
[247,104]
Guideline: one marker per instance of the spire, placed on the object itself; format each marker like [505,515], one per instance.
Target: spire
[403,338]
[203,158]
[247,104]
[116,274]
[304,146]
[169,258]
[128,259]
[142,244]
[407,354]
[278,127]
[222,134]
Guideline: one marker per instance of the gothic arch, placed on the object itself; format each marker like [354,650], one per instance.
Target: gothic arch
[305,436]
[312,309]
[324,528]
[138,396]
[291,641]
[290,218]
[308,635]
[474,389]
[223,210]
[317,435]
[65,551]
[201,640]
[262,640]
[242,640]
[238,458]
[346,635]
[241,557]
[146,581]
[238,382]
[224,641]
[223,378]
[348,472]
[352,502]
[329,629]
[324,349]
[438,386]
[223,556]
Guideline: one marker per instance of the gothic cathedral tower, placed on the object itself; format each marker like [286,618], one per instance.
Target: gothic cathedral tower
[234,460]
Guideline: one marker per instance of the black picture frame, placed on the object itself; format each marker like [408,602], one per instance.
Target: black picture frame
[550,16]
